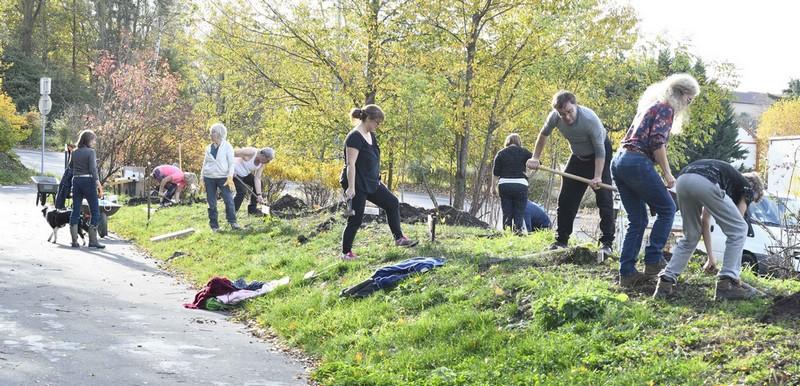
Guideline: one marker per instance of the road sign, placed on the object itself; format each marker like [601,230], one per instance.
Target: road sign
[45,104]
[44,86]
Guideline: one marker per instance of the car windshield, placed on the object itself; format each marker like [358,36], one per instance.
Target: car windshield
[774,211]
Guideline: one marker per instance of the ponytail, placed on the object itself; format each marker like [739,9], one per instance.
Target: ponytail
[368,112]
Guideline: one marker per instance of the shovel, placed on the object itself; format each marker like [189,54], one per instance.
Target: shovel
[313,274]
[576,178]
[264,208]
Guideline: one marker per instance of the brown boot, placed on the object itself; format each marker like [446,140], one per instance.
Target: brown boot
[633,280]
[652,270]
[731,289]
[665,288]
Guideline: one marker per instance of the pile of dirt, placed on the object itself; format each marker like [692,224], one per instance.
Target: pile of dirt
[288,204]
[452,216]
[785,307]
[446,215]
[411,214]
[321,227]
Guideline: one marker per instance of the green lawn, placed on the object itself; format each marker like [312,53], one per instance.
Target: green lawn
[464,325]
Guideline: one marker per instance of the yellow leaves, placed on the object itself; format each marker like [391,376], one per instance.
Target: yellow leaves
[13,127]
[499,291]
[303,169]
[782,118]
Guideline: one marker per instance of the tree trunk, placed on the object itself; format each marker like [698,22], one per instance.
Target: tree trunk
[428,190]
[44,33]
[30,11]
[373,7]
[390,177]
[463,138]
[74,39]
[476,189]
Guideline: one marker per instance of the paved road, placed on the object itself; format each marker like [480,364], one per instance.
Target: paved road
[32,159]
[74,317]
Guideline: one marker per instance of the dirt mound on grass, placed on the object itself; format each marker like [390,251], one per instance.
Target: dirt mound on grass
[411,214]
[446,215]
[785,307]
[288,203]
[453,216]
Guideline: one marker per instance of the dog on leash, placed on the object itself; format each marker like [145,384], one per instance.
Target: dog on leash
[59,218]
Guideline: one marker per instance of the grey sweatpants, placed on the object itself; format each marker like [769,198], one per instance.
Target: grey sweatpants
[696,192]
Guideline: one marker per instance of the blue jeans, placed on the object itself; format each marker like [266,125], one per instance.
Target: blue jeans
[212,184]
[84,187]
[513,200]
[640,186]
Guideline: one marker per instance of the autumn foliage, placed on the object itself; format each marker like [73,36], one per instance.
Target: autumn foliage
[139,116]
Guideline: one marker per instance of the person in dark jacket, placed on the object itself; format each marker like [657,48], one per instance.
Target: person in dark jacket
[535,217]
[65,186]
[362,179]
[85,185]
[717,188]
[511,182]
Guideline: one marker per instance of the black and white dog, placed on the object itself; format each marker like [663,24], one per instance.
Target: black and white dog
[58,218]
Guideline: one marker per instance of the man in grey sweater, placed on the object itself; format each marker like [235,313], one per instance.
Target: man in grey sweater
[591,159]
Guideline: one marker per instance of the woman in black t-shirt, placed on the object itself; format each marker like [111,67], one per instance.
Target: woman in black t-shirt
[512,183]
[361,179]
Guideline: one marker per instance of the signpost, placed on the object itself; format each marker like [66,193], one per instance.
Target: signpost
[45,104]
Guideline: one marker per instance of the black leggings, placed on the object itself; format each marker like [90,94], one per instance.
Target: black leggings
[382,198]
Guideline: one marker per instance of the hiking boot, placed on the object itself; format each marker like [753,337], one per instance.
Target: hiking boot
[214,230]
[256,214]
[665,287]
[406,242]
[349,256]
[652,270]
[558,245]
[93,243]
[235,226]
[73,231]
[633,280]
[732,289]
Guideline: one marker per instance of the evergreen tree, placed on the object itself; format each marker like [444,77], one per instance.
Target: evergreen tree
[722,144]
[793,90]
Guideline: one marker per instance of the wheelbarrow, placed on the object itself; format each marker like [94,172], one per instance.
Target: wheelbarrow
[45,186]
[108,206]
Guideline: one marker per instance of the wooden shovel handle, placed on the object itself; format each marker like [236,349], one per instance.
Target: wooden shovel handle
[577,178]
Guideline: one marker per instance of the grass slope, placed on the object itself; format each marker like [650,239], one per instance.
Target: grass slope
[463,325]
[12,172]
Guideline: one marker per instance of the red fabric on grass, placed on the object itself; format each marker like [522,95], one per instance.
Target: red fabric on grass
[215,287]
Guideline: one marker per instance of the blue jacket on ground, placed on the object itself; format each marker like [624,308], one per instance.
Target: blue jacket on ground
[392,274]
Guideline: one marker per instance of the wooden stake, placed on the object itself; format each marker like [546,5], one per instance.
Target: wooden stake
[173,235]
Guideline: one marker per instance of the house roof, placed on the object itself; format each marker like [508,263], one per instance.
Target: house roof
[753,98]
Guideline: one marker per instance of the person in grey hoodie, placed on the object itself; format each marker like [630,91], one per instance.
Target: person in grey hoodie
[217,173]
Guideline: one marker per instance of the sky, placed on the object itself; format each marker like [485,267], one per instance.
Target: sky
[758,36]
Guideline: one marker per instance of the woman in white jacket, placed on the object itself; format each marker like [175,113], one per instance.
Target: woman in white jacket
[218,174]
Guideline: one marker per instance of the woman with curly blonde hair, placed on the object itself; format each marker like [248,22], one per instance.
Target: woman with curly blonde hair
[662,110]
